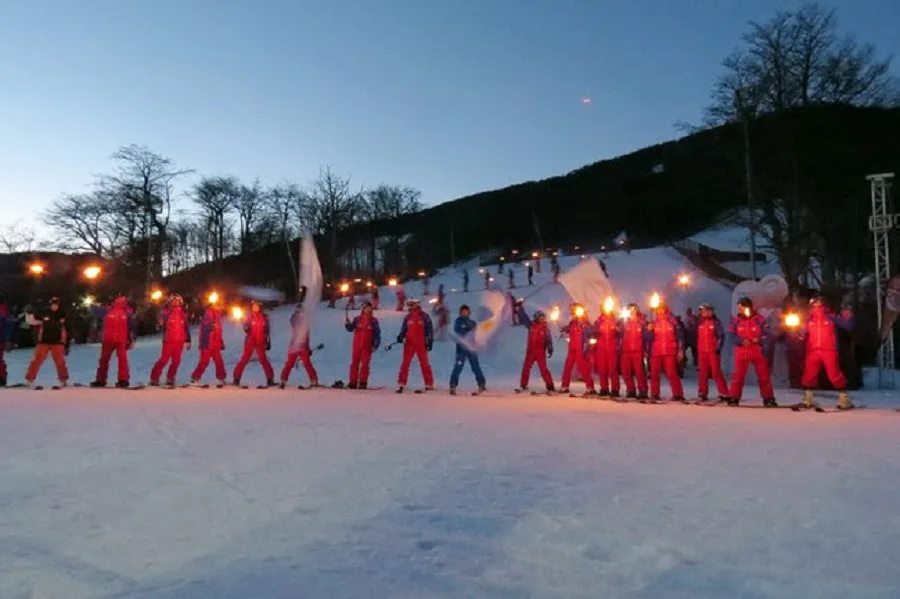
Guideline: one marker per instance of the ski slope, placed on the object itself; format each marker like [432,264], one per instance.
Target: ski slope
[211,494]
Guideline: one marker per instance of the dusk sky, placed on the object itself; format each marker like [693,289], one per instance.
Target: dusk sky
[451,97]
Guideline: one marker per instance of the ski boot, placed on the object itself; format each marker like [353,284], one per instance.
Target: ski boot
[170,384]
[314,383]
[399,389]
[733,402]
[153,383]
[29,384]
[808,399]
[2,381]
[564,390]
[123,384]
[282,384]
[350,386]
[844,402]
[236,382]
[769,402]
[63,384]
[521,389]
[590,393]
[363,386]
[702,397]
[631,395]
[603,394]
[338,385]
[452,391]
[641,396]
[220,383]
[429,387]
[98,384]
[271,383]
[678,399]
[551,389]
[194,383]
[481,389]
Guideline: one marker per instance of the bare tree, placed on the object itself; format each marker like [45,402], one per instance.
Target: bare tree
[251,205]
[217,197]
[386,202]
[18,237]
[85,223]
[796,59]
[331,206]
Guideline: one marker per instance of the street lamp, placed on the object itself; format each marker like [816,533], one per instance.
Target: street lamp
[156,295]
[92,272]
[36,268]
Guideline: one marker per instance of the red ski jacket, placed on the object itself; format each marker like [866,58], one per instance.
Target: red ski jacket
[366,332]
[539,339]
[633,334]
[579,332]
[820,330]
[211,330]
[256,325]
[710,335]
[748,331]
[176,327]
[606,330]
[118,326]
[667,336]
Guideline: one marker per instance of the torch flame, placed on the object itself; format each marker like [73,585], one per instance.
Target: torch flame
[213,297]
[592,341]
[579,311]
[237,312]
[392,282]
[92,272]
[36,269]
[156,295]
[345,287]
[747,312]
[684,280]
[625,313]
[554,314]
[792,320]
[609,304]
[655,300]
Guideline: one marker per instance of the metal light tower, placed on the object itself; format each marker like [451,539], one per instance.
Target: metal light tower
[881,223]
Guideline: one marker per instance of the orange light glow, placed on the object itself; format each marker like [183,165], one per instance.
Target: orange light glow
[36,268]
[534,254]
[212,297]
[156,295]
[655,301]
[421,273]
[554,314]
[609,304]
[392,283]
[92,272]
[579,311]
[684,280]
[237,312]
[625,313]
[592,341]
[345,287]
[747,312]
[792,320]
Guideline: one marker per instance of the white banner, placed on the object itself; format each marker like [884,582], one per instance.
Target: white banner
[311,278]
[586,284]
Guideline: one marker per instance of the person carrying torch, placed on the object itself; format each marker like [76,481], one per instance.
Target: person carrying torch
[666,338]
[710,338]
[820,334]
[749,331]
[606,349]
[579,332]
[632,346]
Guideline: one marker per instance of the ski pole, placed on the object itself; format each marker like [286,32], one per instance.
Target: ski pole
[389,346]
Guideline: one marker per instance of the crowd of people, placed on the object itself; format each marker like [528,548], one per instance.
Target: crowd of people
[625,349]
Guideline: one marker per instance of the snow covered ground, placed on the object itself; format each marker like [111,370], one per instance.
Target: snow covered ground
[202,494]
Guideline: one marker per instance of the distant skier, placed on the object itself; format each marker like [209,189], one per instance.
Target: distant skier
[666,349]
[691,322]
[606,353]
[7,327]
[417,337]
[749,332]
[52,334]
[375,300]
[462,327]
[440,295]
[118,337]
[538,348]
[443,319]
[465,281]
[487,279]
[511,275]
[298,348]
[351,301]
[633,345]
[210,343]
[820,331]
[366,339]
[401,298]
[710,339]
[579,332]
[426,282]
[257,340]
[333,296]
[555,269]
[176,332]
[514,313]
[530,275]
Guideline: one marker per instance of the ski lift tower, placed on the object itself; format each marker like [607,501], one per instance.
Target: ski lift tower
[881,223]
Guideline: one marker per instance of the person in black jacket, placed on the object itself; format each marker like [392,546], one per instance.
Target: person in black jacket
[51,339]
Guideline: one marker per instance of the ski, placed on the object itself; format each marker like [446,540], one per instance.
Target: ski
[822,410]
[547,393]
[113,387]
[16,386]
[752,406]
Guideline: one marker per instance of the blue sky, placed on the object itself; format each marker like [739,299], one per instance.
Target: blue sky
[450,97]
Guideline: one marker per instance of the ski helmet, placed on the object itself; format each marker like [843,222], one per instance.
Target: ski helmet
[464,307]
[176,300]
[412,302]
[539,314]
[745,302]
[816,300]
[705,306]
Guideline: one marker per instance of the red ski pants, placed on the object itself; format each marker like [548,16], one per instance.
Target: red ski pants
[106,352]
[576,357]
[359,365]
[57,352]
[260,350]
[669,366]
[606,365]
[303,356]
[171,354]
[744,356]
[540,358]
[819,359]
[633,366]
[205,356]
[419,351]
[710,365]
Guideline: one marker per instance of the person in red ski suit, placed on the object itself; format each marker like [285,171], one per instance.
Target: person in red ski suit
[118,338]
[820,334]
[710,338]
[211,345]
[538,348]
[749,331]
[176,338]
[298,349]
[417,337]
[256,326]
[666,336]
[579,332]
[606,354]
[633,338]
[401,299]
[366,339]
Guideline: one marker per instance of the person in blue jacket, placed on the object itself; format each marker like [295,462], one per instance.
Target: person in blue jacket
[463,326]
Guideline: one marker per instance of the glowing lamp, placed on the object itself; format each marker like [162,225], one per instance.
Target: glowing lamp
[747,312]
[534,254]
[92,272]
[421,273]
[156,295]
[368,283]
[554,314]
[609,304]
[237,312]
[792,321]
[625,313]
[481,270]
[392,282]
[491,279]
[357,280]
[345,287]
[432,300]
[527,264]
[36,269]
[579,311]
[592,341]
[684,280]
[212,297]
[515,252]
[88,301]
[655,300]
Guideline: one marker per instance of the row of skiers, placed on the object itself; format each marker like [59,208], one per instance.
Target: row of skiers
[614,347]
[611,347]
